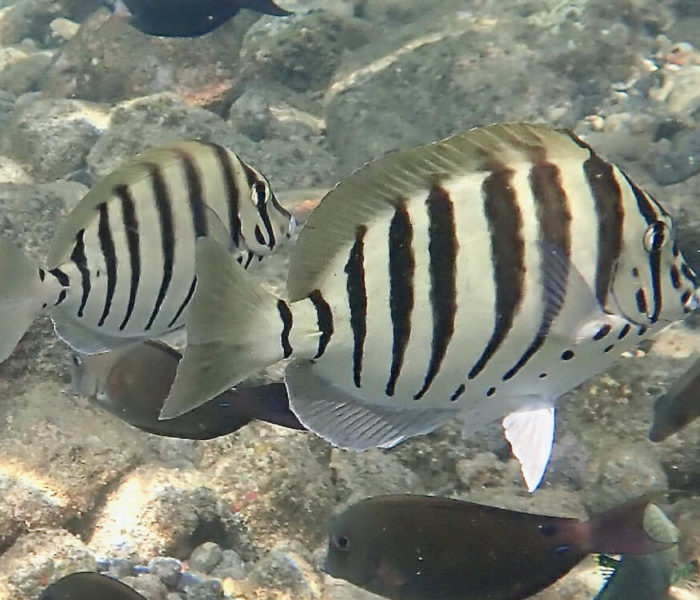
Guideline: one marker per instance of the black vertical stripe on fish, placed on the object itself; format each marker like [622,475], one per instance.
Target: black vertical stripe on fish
[507,256]
[249,260]
[675,277]
[80,260]
[184,304]
[60,276]
[61,297]
[401,271]
[131,230]
[641,301]
[42,275]
[232,193]
[442,249]
[357,301]
[689,274]
[610,214]
[259,188]
[195,194]
[324,318]
[104,234]
[554,219]
[167,236]
[643,203]
[655,267]
[458,392]
[286,316]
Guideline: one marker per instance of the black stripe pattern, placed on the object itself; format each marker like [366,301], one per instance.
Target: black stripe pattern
[195,194]
[442,248]
[287,322]
[232,193]
[554,218]
[167,235]
[185,303]
[104,234]
[402,266]
[357,301]
[324,319]
[507,256]
[80,260]
[131,230]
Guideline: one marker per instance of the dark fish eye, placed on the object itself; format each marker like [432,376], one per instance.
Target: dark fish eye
[549,529]
[655,236]
[341,542]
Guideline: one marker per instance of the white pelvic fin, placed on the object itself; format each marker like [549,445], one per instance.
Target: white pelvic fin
[21,296]
[530,433]
[348,422]
[83,339]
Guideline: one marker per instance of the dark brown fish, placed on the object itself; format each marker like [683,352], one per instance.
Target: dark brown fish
[191,18]
[132,384]
[678,406]
[89,586]
[429,548]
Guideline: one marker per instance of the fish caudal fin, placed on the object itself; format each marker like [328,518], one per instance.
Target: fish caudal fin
[232,330]
[21,296]
[631,528]
[530,433]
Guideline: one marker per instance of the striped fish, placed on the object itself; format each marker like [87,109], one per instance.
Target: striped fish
[121,267]
[484,275]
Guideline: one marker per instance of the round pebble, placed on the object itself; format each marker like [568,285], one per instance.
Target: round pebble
[231,565]
[205,557]
[168,569]
[206,590]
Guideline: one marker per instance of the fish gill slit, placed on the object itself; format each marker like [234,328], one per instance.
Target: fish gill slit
[507,257]
[357,301]
[442,250]
[402,266]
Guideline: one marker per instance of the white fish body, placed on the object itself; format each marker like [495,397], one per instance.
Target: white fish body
[121,266]
[485,275]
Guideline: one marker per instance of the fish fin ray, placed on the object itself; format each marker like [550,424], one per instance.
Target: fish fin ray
[374,189]
[227,330]
[530,433]
[85,340]
[350,423]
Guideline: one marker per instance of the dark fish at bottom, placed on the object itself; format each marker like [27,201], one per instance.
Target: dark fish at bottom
[678,406]
[190,18]
[132,384]
[89,586]
[430,548]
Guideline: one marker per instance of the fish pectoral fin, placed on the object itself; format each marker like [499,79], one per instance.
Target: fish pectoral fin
[351,423]
[563,283]
[530,433]
[86,340]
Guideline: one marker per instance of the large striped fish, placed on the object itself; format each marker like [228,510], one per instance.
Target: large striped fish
[484,275]
[121,267]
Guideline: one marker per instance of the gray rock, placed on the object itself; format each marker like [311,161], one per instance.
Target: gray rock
[168,569]
[52,137]
[40,558]
[231,565]
[119,568]
[23,72]
[287,570]
[206,590]
[205,557]
[675,160]
[148,585]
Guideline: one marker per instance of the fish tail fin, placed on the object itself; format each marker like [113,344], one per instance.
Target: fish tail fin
[22,297]
[626,529]
[235,329]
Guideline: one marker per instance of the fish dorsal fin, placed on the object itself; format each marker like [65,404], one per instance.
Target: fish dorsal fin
[129,173]
[373,190]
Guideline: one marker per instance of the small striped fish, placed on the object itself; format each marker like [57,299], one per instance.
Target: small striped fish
[484,275]
[121,267]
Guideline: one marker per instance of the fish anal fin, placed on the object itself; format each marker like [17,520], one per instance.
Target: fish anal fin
[530,433]
[348,422]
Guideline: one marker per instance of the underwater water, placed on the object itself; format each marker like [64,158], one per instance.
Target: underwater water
[238,504]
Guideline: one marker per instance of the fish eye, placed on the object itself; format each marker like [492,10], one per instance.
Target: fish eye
[656,236]
[548,530]
[341,542]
